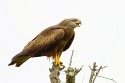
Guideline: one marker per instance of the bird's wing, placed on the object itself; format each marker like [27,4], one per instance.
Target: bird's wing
[69,43]
[44,41]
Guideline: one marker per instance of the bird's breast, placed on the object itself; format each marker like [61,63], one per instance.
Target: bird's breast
[68,34]
[58,49]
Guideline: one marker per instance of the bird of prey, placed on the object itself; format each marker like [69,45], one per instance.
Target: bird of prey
[51,42]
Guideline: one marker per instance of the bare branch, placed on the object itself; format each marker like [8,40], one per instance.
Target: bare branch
[55,72]
[93,70]
[90,67]
[104,67]
[71,58]
[96,74]
[108,78]
[78,70]
[71,72]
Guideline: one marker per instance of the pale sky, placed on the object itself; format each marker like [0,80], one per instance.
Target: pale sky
[101,37]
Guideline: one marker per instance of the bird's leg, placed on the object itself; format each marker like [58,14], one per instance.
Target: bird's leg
[57,61]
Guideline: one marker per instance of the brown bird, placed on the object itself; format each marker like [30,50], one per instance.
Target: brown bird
[51,42]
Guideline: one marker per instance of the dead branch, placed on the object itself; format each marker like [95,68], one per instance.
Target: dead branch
[95,72]
[71,58]
[55,72]
[71,72]
[108,78]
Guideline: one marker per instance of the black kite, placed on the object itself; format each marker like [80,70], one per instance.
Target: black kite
[51,42]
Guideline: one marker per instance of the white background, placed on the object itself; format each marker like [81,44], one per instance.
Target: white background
[101,37]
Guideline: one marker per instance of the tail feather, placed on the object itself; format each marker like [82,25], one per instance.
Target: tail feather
[19,60]
[12,63]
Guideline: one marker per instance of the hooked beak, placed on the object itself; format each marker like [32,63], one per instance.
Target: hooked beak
[78,23]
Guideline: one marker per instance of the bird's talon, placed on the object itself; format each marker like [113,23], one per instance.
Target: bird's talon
[57,61]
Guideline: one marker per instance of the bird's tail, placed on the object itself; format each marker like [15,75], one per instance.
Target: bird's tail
[19,59]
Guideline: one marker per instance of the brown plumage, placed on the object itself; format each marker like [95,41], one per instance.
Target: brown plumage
[51,42]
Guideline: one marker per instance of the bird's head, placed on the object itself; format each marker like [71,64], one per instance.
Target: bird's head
[71,22]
